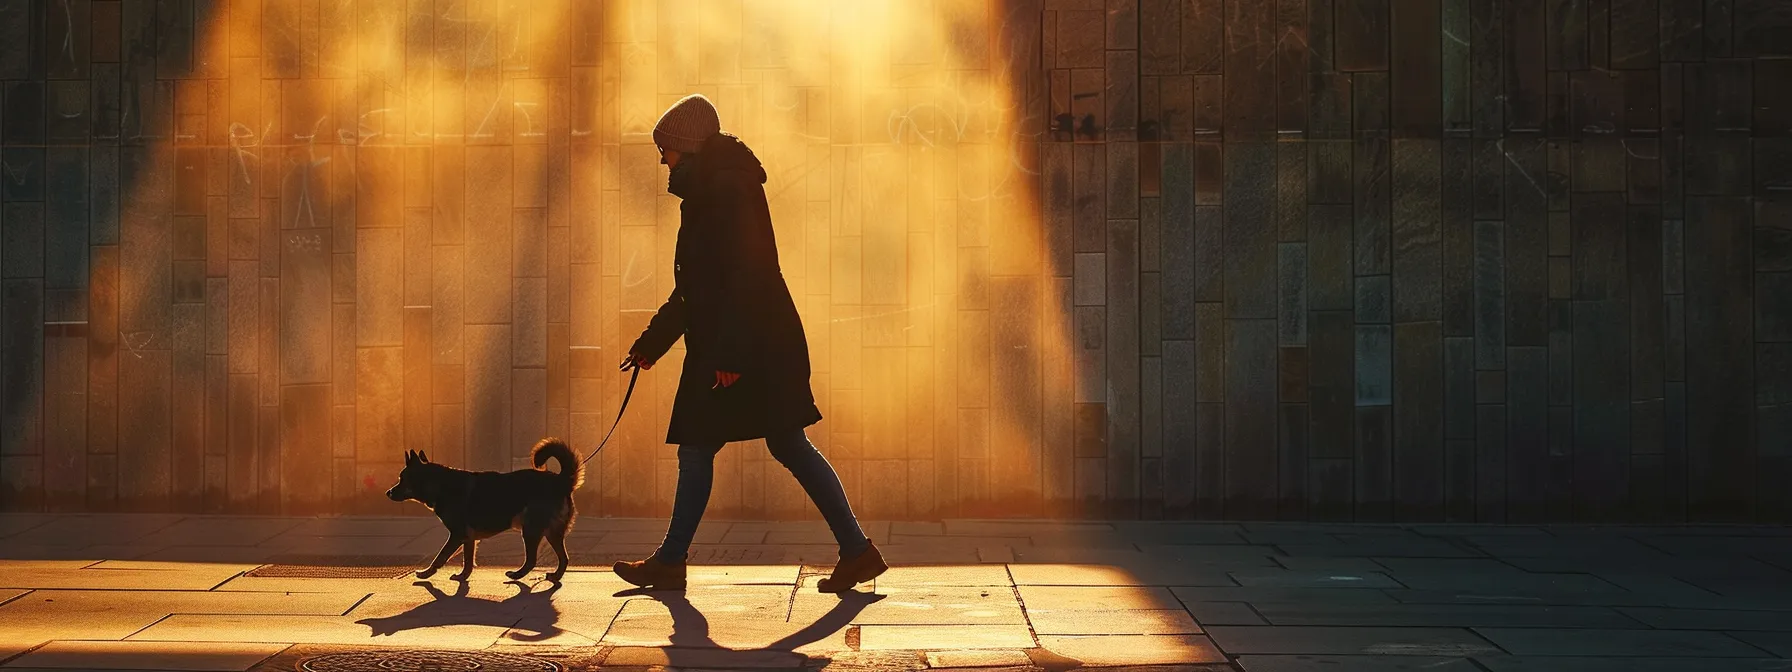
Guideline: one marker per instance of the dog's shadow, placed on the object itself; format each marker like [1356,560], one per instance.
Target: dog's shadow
[691,646]
[529,609]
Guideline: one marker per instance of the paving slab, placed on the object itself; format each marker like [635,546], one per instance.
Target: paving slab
[1119,650]
[1291,578]
[579,631]
[748,601]
[977,658]
[943,637]
[1327,564]
[247,555]
[1216,556]
[700,658]
[715,631]
[389,612]
[1225,613]
[25,631]
[1421,615]
[1613,642]
[1563,547]
[784,575]
[89,530]
[918,527]
[9,594]
[743,537]
[286,584]
[916,605]
[311,544]
[1097,598]
[1130,622]
[189,656]
[1710,619]
[1744,587]
[18,565]
[1776,643]
[1256,595]
[1355,664]
[1508,583]
[1462,530]
[1653,564]
[312,630]
[1180,533]
[368,526]
[1389,547]
[193,576]
[11,552]
[56,603]
[1024,528]
[224,531]
[1156,574]
[707,533]
[1708,545]
[1477,566]
[946,575]
[1001,555]
[1374,641]
[15,523]
[1666,588]
[1629,664]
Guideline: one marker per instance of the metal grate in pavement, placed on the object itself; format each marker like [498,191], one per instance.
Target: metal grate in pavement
[298,566]
[417,661]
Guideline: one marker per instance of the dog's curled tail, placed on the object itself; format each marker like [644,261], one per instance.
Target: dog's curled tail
[558,450]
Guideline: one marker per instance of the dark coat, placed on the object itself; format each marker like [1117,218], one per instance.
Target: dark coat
[733,309]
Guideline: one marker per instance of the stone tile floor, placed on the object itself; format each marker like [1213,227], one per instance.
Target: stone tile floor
[170,592]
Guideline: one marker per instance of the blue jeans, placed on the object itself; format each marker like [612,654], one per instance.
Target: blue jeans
[696,474]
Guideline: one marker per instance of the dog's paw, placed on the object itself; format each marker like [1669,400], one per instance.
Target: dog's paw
[516,574]
[425,573]
[554,577]
[460,577]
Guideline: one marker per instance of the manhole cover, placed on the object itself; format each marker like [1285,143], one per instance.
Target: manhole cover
[338,567]
[419,661]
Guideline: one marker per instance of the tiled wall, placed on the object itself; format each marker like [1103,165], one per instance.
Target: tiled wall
[1476,260]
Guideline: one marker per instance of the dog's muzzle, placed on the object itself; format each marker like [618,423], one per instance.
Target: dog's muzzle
[395,495]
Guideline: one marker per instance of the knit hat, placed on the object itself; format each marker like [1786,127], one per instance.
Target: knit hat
[687,124]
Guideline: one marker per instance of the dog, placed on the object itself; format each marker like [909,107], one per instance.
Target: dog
[476,505]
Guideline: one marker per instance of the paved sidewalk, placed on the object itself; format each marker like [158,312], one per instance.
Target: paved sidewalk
[325,594]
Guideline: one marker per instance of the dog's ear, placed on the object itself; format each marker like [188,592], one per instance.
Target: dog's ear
[410,457]
[423,457]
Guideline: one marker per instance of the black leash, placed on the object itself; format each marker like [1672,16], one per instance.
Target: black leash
[632,377]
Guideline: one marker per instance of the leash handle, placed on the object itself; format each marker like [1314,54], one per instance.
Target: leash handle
[632,377]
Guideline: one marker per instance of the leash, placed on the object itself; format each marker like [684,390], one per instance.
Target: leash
[632,377]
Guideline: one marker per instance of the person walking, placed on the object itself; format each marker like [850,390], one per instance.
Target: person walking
[746,373]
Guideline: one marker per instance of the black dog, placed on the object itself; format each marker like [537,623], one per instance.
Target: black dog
[477,505]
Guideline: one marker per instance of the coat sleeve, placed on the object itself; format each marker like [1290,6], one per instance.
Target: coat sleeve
[666,327]
[743,262]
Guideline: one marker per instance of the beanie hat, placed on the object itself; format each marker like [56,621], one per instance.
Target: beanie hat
[687,124]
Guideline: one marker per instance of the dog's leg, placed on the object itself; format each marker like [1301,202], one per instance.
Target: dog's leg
[454,541]
[557,539]
[531,541]
[466,557]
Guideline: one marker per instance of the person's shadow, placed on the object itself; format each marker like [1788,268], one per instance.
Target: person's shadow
[527,608]
[692,647]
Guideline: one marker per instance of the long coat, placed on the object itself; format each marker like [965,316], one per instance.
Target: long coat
[733,309]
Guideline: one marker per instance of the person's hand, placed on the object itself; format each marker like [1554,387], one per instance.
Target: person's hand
[635,361]
[725,378]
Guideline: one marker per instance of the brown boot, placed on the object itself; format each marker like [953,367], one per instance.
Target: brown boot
[651,573]
[865,566]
